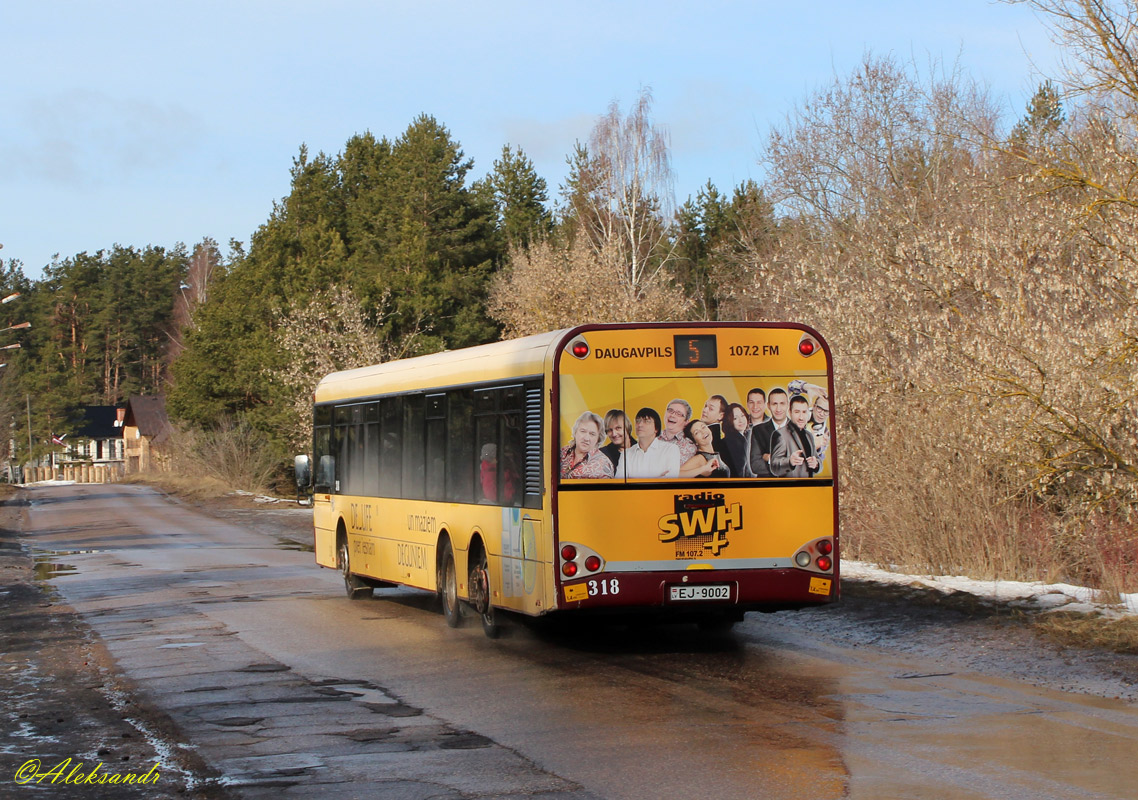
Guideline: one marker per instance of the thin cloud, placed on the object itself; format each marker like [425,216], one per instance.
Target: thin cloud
[83,138]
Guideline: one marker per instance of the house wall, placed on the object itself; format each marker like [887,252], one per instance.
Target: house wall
[140,454]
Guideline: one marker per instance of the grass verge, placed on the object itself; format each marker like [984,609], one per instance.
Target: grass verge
[1094,631]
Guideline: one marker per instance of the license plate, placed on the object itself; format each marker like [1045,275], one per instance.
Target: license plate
[706,591]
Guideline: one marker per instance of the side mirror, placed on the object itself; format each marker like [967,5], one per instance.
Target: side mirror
[303,469]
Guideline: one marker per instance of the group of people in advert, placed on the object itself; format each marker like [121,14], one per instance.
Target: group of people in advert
[781,432]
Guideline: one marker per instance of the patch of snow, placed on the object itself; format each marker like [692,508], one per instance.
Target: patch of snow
[1034,594]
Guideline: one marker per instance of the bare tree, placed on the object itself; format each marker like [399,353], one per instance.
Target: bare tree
[1096,158]
[977,323]
[548,286]
[326,333]
[620,192]
[203,267]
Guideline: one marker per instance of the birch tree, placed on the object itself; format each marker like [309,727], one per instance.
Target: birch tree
[619,193]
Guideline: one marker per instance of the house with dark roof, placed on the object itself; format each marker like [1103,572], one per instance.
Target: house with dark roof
[92,453]
[146,433]
[97,441]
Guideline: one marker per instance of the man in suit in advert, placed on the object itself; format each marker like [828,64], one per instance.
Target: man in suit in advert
[792,448]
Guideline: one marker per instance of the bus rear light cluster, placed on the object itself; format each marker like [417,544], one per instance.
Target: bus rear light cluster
[816,556]
[577,561]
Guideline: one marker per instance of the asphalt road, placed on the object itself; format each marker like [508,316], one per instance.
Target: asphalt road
[250,674]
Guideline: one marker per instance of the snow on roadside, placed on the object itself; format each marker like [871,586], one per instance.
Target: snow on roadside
[1033,595]
[269,499]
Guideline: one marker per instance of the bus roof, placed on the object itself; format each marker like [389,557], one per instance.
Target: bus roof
[487,362]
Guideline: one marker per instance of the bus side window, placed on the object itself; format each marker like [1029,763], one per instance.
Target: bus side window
[436,446]
[325,461]
[325,473]
[460,447]
[414,448]
[391,447]
[512,467]
[371,450]
[486,435]
[487,460]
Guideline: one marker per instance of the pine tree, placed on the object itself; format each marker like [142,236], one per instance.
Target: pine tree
[438,248]
[1044,118]
[520,198]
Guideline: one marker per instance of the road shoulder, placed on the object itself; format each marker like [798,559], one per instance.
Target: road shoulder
[65,699]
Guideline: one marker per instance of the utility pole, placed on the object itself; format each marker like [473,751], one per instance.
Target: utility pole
[28,397]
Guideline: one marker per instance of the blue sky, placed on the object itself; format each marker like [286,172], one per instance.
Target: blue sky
[153,123]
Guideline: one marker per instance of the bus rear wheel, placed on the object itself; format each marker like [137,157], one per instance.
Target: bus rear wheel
[448,587]
[480,597]
[355,587]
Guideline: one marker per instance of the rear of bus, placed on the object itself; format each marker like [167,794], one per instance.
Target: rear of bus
[710,547]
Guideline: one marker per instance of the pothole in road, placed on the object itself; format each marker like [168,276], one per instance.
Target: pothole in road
[463,740]
[238,722]
[289,544]
[370,697]
[265,668]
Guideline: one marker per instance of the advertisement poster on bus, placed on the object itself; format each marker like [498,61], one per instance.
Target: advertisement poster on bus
[741,427]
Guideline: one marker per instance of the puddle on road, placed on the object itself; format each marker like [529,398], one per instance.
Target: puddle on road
[48,564]
[46,570]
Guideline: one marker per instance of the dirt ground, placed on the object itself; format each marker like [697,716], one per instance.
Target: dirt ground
[64,699]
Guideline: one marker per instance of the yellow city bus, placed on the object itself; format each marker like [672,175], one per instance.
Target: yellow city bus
[553,473]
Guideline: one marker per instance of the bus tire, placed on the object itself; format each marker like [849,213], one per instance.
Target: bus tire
[356,588]
[448,586]
[490,625]
[480,585]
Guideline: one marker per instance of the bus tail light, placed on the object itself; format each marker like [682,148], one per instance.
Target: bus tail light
[816,555]
[579,348]
[578,560]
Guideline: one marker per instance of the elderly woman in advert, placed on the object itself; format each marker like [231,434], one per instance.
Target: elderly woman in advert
[706,463]
[582,458]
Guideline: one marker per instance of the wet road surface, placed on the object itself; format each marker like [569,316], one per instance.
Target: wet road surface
[289,689]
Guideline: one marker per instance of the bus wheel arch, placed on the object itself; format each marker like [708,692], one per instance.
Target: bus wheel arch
[447,573]
[356,587]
